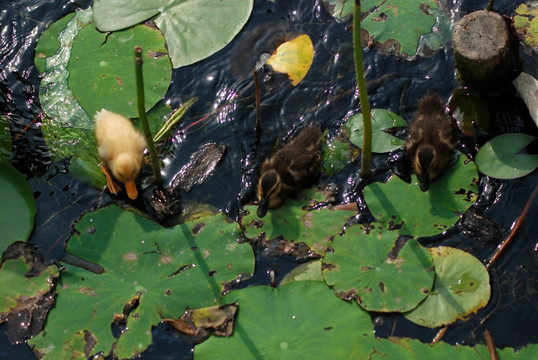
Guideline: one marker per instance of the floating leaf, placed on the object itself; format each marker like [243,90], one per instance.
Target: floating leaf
[381,140]
[294,58]
[461,288]
[469,110]
[500,157]
[526,23]
[17,210]
[383,271]
[194,29]
[308,271]
[300,320]
[155,272]
[315,228]
[218,320]
[337,153]
[527,86]
[402,206]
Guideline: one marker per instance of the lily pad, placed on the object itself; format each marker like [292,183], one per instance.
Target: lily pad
[194,29]
[300,320]
[151,272]
[500,157]
[383,271]
[308,271]
[382,141]
[315,227]
[337,153]
[405,208]
[461,288]
[469,110]
[17,209]
[526,23]
[293,58]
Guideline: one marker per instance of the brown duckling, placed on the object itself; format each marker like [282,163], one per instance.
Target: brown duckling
[288,168]
[431,142]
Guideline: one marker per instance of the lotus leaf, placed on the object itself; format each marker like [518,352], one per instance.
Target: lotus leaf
[383,271]
[293,58]
[461,288]
[500,157]
[404,207]
[194,29]
[381,140]
[18,206]
[300,320]
[151,272]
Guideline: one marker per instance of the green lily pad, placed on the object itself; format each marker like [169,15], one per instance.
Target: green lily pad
[194,29]
[461,288]
[17,209]
[405,208]
[160,270]
[500,158]
[526,23]
[300,320]
[315,228]
[381,140]
[308,271]
[337,153]
[381,270]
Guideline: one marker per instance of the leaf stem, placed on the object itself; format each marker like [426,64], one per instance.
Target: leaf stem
[142,115]
[174,119]
[366,171]
[490,5]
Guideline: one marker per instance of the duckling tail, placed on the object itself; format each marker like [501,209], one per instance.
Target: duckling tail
[263,207]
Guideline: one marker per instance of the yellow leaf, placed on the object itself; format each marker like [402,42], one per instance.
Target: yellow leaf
[293,58]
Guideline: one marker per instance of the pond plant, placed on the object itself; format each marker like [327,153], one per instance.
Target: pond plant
[124,272]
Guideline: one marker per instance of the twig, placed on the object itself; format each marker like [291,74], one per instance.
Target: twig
[515,230]
[491,345]
[142,115]
[490,5]
[366,171]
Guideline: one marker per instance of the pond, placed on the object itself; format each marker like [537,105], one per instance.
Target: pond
[225,114]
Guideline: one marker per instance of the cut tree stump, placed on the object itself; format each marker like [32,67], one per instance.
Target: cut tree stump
[484,51]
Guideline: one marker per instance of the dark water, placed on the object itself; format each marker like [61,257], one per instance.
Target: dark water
[225,114]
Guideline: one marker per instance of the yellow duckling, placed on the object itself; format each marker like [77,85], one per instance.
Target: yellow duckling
[121,149]
[288,168]
[431,142]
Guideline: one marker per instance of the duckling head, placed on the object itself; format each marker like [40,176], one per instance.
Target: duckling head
[125,168]
[269,187]
[424,165]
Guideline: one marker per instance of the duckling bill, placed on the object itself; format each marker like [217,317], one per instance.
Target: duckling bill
[121,149]
[289,168]
[432,140]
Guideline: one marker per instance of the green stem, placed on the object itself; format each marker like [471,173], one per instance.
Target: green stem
[490,5]
[366,171]
[174,119]
[142,115]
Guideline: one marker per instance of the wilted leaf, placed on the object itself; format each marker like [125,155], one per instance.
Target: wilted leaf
[218,320]
[405,208]
[383,271]
[527,86]
[501,158]
[382,141]
[194,29]
[461,288]
[293,58]
[300,320]
[308,271]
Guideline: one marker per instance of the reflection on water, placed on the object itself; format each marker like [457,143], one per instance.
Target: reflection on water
[225,115]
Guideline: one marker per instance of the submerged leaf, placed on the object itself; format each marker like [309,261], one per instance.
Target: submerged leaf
[469,110]
[218,320]
[461,288]
[293,58]
[382,120]
[500,157]
[5,141]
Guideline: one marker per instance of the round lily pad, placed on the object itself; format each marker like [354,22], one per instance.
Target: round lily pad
[300,320]
[381,140]
[293,58]
[500,158]
[405,208]
[383,271]
[461,288]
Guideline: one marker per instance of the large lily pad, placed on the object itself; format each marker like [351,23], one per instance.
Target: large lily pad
[194,29]
[300,320]
[293,58]
[402,206]
[500,157]
[383,271]
[17,206]
[154,272]
[291,221]
[382,141]
[461,288]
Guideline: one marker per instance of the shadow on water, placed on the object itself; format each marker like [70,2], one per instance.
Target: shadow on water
[225,114]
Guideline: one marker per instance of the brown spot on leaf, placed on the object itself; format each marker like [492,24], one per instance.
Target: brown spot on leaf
[119,81]
[381,286]
[130,256]
[196,229]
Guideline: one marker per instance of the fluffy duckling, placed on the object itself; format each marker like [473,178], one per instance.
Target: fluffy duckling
[288,168]
[121,149]
[431,142]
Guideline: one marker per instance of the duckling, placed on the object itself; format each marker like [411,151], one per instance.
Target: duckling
[121,149]
[431,142]
[288,168]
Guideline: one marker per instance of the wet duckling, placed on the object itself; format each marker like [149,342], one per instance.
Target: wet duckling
[121,149]
[431,142]
[288,168]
